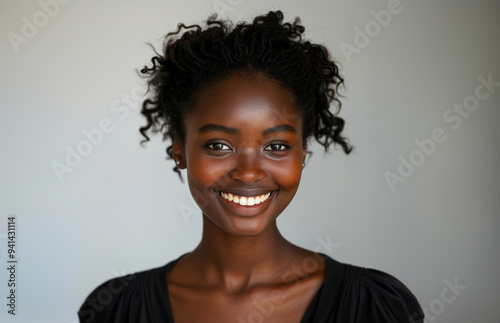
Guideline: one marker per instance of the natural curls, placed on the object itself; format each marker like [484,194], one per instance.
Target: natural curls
[194,56]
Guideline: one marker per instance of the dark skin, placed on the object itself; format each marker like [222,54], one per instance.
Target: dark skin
[244,152]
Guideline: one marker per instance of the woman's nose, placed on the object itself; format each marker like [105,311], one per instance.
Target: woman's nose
[248,167]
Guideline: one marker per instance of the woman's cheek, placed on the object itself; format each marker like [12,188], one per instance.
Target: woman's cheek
[204,176]
[287,175]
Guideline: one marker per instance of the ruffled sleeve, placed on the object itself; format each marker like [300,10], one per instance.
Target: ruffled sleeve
[133,298]
[370,295]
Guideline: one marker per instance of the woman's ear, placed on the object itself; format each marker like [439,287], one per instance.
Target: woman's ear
[178,154]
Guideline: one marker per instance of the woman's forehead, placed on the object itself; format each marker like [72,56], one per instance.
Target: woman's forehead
[241,101]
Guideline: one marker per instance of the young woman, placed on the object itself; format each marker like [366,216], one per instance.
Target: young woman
[239,103]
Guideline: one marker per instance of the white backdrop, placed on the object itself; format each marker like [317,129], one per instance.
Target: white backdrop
[418,198]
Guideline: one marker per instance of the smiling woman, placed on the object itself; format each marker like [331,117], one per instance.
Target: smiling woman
[235,147]
[239,104]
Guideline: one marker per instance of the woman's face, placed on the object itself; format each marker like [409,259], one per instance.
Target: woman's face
[243,151]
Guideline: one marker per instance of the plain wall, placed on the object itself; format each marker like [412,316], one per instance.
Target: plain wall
[122,209]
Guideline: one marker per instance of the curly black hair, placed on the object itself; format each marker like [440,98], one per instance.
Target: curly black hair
[195,56]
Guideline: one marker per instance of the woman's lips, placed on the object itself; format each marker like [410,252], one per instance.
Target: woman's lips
[245,200]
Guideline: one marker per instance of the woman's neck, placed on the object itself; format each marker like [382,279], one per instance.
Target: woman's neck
[238,263]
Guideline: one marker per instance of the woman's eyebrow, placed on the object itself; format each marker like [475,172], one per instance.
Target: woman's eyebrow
[218,128]
[280,128]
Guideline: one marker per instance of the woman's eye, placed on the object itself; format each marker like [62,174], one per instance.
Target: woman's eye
[218,146]
[276,147]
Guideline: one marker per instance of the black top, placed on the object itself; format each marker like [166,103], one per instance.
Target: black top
[363,295]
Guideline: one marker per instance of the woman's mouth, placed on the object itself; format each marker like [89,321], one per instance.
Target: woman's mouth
[245,200]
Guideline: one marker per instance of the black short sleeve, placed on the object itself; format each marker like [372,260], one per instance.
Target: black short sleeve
[349,294]
[369,295]
[140,297]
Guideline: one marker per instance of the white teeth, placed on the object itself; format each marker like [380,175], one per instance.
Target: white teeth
[245,200]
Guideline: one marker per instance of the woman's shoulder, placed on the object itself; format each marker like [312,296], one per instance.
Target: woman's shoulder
[374,296]
[130,298]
